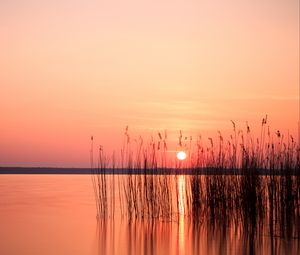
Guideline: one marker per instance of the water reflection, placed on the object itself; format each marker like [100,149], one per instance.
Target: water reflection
[181,195]
[181,210]
[251,232]
[186,237]
[56,215]
[181,235]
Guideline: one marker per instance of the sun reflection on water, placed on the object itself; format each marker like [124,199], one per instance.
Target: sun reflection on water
[181,195]
[181,210]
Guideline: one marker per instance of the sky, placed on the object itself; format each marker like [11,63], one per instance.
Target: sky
[72,69]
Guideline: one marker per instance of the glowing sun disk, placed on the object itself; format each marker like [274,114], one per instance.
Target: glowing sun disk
[181,155]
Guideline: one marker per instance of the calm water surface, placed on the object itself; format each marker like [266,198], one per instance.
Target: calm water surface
[55,214]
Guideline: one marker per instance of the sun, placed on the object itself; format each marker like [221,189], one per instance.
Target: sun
[181,155]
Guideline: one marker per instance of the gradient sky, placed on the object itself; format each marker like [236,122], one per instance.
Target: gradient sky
[70,69]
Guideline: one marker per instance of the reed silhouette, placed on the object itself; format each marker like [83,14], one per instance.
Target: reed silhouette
[240,180]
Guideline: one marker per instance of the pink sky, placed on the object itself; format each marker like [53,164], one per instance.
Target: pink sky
[70,69]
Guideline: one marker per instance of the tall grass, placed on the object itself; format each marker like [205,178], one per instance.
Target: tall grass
[241,179]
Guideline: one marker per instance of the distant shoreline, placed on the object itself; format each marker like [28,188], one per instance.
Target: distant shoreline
[120,171]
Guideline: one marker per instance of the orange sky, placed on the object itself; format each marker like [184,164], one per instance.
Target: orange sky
[70,69]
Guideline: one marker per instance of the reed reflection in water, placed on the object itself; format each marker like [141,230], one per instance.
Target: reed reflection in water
[234,232]
[187,237]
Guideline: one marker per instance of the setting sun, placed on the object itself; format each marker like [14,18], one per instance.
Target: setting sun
[181,155]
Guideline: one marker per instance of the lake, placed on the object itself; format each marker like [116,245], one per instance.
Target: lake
[56,214]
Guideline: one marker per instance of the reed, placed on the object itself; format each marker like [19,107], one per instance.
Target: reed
[241,179]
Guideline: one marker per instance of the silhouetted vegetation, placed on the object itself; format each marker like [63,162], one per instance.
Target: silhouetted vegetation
[264,185]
